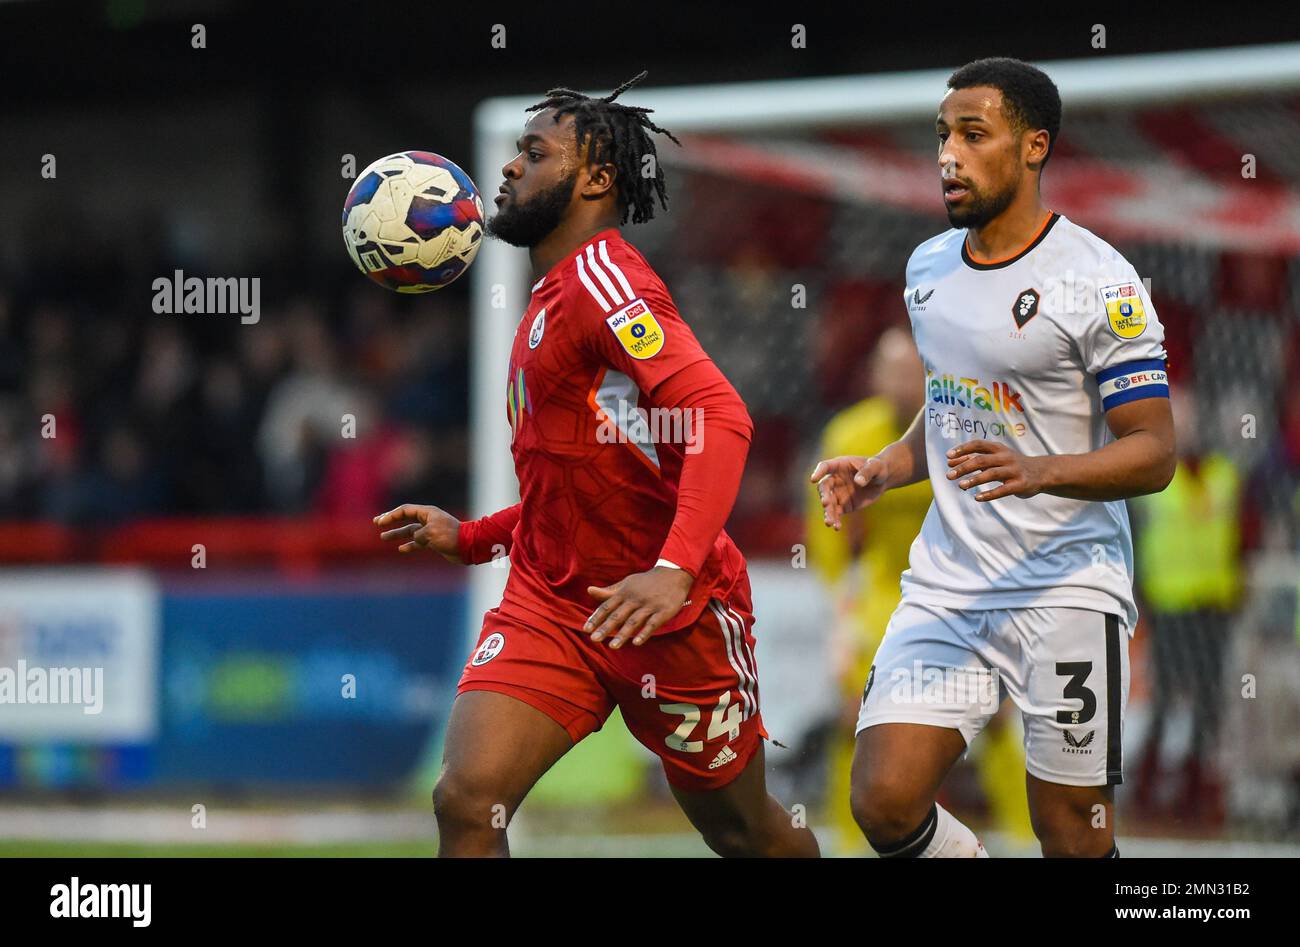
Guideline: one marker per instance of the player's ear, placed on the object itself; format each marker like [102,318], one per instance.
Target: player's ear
[600,181]
[1036,145]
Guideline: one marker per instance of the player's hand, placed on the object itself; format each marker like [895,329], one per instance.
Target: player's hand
[977,462]
[422,527]
[638,605]
[845,484]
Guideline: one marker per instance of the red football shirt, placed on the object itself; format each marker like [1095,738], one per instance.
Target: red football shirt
[598,478]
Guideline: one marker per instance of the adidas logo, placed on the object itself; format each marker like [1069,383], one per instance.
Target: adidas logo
[725,756]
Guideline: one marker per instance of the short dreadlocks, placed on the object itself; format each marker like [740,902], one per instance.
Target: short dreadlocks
[617,135]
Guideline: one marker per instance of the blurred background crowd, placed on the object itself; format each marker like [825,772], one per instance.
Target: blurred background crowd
[172,415]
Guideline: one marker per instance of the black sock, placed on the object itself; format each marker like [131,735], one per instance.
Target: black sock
[916,840]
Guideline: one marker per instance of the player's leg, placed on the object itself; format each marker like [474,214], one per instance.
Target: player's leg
[1072,821]
[897,771]
[691,697]
[927,696]
[496,748]
[742,820]
[526,696]
[1072,700]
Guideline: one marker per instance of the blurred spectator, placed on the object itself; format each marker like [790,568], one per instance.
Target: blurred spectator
[1189,570]
[306,413]
[124,485]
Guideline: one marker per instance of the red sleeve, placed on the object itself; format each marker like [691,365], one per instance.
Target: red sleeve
[629,322]
[712,468]
[480,539]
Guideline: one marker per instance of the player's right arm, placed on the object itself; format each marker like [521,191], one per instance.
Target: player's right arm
[429,527]
[845,484]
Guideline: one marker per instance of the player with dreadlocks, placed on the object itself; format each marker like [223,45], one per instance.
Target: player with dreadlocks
[629,445]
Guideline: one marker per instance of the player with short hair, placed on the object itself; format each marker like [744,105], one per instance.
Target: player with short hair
[629,445]
[1046,407]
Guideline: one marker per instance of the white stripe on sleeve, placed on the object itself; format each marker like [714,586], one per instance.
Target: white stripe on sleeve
[591,287]
[605,281]
[618,273]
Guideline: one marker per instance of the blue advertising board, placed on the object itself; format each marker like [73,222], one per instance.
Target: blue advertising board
[341,681]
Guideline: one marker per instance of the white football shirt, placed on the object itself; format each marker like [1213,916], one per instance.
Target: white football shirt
[1031,351]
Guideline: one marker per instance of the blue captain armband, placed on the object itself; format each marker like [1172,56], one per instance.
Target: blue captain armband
[1132,381]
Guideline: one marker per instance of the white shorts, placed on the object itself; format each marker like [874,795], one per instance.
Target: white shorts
[1065,668]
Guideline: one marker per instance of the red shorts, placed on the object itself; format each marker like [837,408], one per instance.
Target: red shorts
[690,696]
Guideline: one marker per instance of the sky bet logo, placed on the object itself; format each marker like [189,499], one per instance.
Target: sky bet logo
[969,393]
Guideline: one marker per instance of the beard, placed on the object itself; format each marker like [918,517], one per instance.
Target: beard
[527,225]
[980,208]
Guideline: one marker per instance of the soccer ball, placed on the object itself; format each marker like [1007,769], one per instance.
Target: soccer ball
[413,222]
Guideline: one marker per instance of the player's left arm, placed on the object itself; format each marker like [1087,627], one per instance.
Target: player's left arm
[1140,460]
[712,468]
[668,363]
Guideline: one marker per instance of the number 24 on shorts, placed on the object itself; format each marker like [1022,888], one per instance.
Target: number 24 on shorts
[726,719]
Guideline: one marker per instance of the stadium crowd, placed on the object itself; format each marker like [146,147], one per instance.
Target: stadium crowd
[109,413]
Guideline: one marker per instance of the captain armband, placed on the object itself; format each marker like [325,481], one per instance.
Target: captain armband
[1132,381]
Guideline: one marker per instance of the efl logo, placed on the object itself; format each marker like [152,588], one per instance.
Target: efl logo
[1140,378]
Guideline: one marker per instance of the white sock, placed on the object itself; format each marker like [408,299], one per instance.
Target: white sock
[952,839]
[939,836]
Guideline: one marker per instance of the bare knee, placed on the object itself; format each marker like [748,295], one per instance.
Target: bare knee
[1071,822]
[1075,844]
[1072,835]
[897,771]
[464,803]
[734,841]
[761,834]
[887,809]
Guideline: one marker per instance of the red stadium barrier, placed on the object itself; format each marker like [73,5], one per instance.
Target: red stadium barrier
[288,543]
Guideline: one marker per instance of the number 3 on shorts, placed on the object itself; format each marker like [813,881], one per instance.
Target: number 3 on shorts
[726,719]
[1077,672]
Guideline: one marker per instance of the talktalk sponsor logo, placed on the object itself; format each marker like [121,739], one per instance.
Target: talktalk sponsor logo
[968,392]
